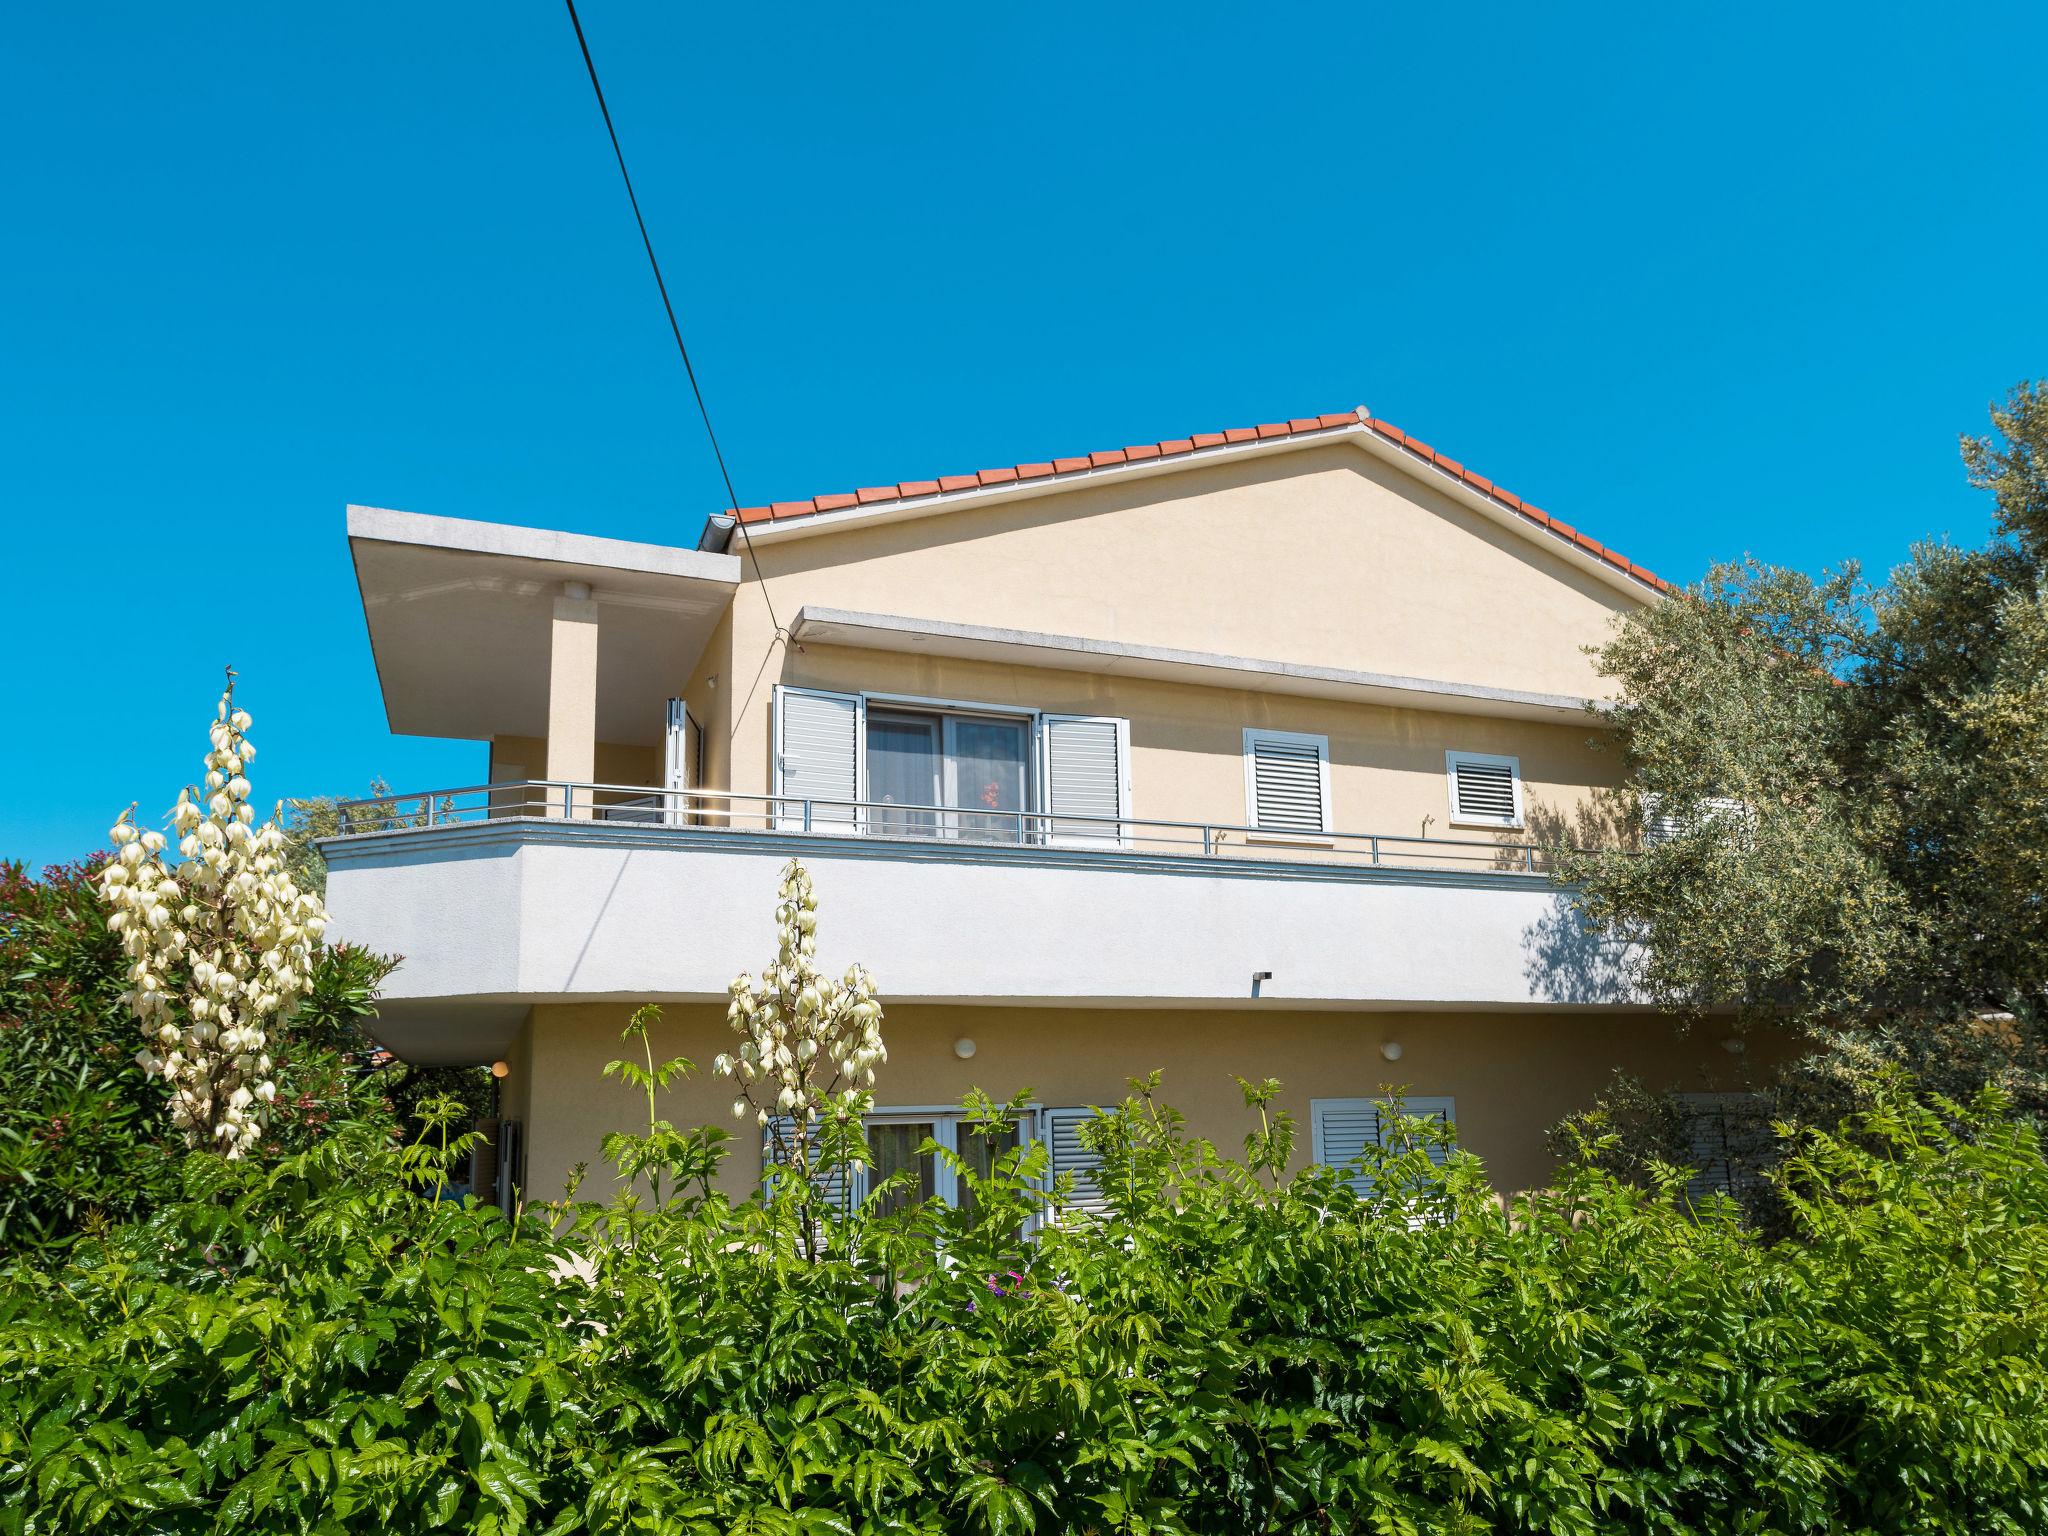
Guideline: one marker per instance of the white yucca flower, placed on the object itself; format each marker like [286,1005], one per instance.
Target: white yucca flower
[206,1026]
[805,1040]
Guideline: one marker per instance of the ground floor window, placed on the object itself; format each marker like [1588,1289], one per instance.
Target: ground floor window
[909,1141]
[1729,1141]
[1340,1130]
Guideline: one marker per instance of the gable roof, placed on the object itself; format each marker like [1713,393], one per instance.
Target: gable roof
[1359,423]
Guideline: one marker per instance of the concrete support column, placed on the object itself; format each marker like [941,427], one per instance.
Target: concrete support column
[572,696]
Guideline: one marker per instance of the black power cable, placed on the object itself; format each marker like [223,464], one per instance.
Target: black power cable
[675,329]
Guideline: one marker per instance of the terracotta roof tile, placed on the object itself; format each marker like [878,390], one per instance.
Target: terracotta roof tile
[1174,446]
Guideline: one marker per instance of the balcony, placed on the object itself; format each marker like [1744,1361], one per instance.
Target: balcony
[501,895]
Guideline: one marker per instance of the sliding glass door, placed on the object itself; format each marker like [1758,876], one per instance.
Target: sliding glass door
[964,776]
[903,770]
[985,777]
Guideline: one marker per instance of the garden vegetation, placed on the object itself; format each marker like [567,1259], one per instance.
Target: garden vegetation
[324,1346]
[324,1342]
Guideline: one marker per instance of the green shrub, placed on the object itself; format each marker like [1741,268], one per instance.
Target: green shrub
[323,1347]
[82,1132]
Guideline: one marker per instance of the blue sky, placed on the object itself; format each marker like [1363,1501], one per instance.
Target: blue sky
[1700,281]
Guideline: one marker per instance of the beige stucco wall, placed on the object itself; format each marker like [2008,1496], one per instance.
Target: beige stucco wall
[617,762]
[1387,769]
[1325,556]
[1512,1074]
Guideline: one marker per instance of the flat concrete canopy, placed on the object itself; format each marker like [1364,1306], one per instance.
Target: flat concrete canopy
[460,612]
[1074,653]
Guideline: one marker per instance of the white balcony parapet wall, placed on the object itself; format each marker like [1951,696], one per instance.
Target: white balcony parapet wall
[527,908]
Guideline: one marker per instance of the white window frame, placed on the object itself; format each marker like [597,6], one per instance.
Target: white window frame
[1661,828]
[1280,835]
[1037,777]
[1483,760]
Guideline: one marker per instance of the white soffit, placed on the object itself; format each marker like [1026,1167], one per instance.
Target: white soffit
[460,615]
[1072,653]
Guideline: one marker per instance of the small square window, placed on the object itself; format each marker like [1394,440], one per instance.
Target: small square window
[1287,783]
[1486,791]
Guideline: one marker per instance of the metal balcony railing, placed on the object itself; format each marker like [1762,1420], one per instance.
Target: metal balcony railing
[926,826]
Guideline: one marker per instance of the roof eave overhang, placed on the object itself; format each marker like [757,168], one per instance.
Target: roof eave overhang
[417,575]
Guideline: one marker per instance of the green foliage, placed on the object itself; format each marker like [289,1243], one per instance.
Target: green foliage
[82,1131]
[325,1347]
[80,1138]
[1879,889]
[663,1153]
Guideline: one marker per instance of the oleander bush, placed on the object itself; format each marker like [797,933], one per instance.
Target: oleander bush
[325,1346]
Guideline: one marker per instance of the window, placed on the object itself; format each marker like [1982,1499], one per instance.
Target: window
[1340,1130]
[1728,1141]
[941,770]
[896,1138]
[1486,791]
[955,775]
[1661,825]
[1287,784]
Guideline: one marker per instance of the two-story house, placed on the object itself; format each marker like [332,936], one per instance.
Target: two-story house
[1232,755]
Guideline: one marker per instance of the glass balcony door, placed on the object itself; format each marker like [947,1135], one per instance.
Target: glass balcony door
[903,770]
[974,768]
[985,777]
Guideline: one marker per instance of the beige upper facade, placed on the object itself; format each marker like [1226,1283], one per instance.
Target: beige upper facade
[1324,556]
[1327,586]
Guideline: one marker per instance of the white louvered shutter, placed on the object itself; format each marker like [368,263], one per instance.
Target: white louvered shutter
[817,758]
[834,1186]
[1661,826]
[1061,1130]
[1087,774]
[1287,782]
[1341,1129]
[1485,790]
[1339,1132]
